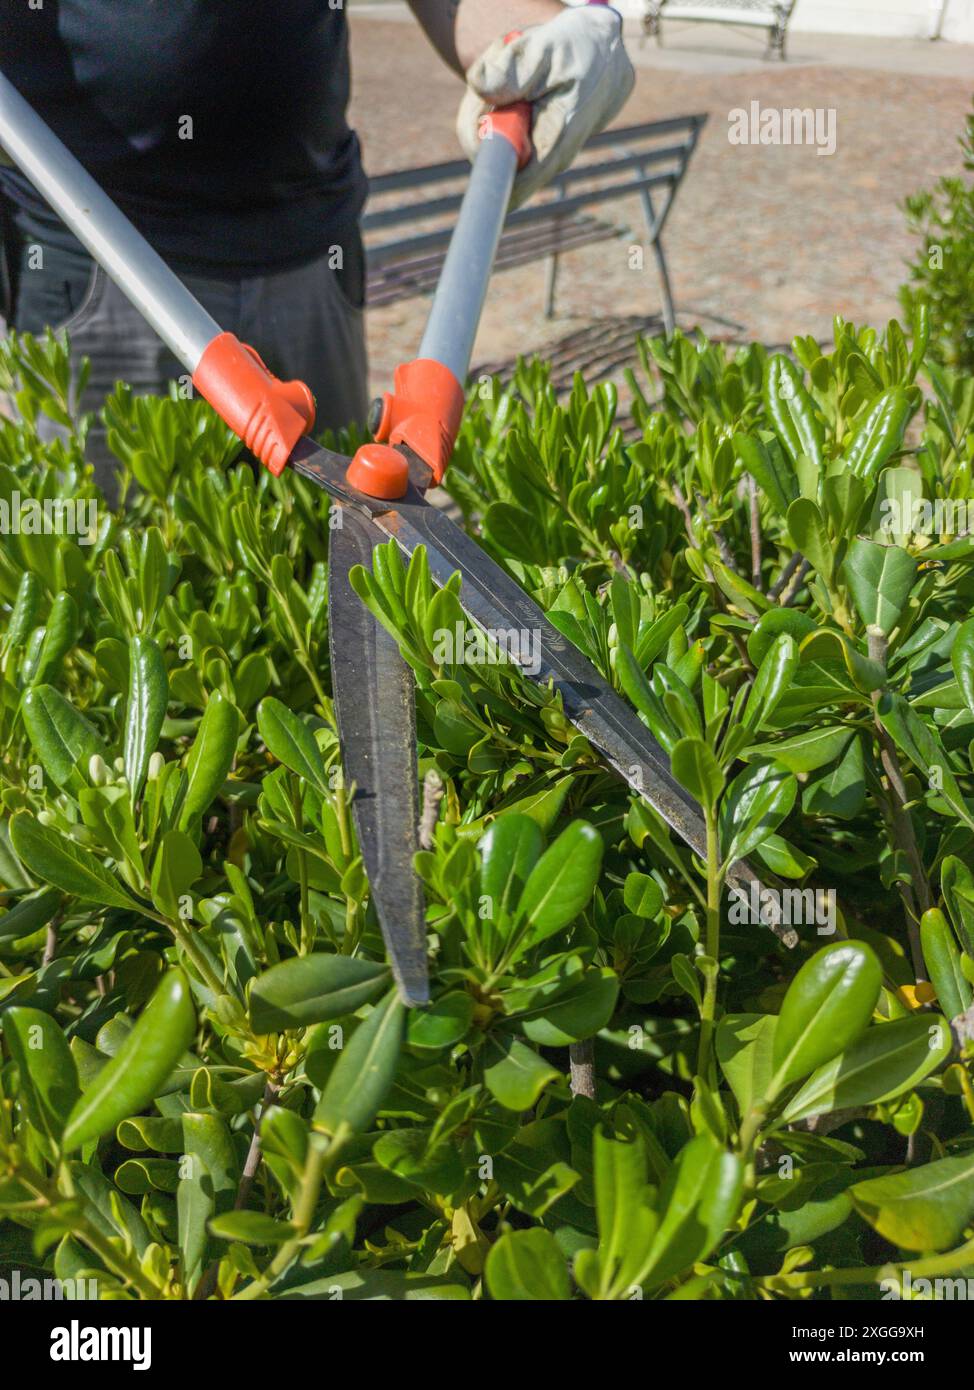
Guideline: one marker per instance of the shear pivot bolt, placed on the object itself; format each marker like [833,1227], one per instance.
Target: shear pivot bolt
[378,471]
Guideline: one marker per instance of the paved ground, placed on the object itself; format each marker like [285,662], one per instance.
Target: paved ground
[765,241]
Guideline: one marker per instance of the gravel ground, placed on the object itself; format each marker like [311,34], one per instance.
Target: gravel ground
[764,241]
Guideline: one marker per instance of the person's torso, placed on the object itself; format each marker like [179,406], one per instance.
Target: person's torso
[217,125]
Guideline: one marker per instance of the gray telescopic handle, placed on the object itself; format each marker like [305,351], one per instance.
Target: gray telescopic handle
[459,299]
[139,271]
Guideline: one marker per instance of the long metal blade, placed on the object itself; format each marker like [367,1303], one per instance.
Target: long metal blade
[375,704]
[496,603]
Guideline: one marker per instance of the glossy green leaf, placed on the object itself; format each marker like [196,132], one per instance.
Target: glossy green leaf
[61,737]
[744,1045]
[66,864]
[209,1174]
[887,1060]
[695,768]
[251,1228]
[792,411]
[805,752]
[532,1169]
[48,1075]
[962,660]
[828,1005]
[642,895]
[445,1023]
[697,1203]
[770,470]
[436,1166]
[807,528]
[685,974]
[365,1070]
[146,709]
[515,1074]
[561,883]
[626,1220]
[382,1285]
[925,750]
[844,496]
[143,1133]
[922,1208]
[60,635]
[177,866]
[755,804]
[544,807]
[509,851]
[957,885]
[29,914]
[841,791]
[642,697]
[313,989]
[527,1266]
[771,625]
[880,578]
[24,612]
[140,1068]
[650,641]
[514,531]
[210,758]
[292,742]
[139,1176]
[565,1013]
[110,1213]
[773,677]
[881,433]
[942,959]
[284,1134]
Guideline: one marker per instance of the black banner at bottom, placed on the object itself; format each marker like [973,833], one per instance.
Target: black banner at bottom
[164,1338]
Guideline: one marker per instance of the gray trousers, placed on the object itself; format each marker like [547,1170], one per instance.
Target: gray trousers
[300,320]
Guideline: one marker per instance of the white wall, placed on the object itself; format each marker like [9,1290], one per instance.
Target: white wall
[916,19]
[913,19]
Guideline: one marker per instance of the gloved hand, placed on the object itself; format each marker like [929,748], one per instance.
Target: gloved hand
[575,72]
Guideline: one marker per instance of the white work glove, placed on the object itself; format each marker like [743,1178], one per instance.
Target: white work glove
[575,72]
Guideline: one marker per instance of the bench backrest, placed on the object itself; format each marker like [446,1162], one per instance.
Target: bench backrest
[761,9]
[413,210]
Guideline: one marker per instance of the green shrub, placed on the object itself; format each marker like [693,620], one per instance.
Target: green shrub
[208,1087]
[943,272]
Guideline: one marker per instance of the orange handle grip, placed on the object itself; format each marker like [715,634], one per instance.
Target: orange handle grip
[424,412]
[512,122]
[269,415]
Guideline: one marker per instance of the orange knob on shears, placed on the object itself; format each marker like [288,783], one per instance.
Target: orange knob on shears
[380,471]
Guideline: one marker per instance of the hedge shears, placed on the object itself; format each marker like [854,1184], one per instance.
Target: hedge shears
[382,493]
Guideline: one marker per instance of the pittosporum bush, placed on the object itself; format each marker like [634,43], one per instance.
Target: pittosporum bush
[209,1087]
[942,271]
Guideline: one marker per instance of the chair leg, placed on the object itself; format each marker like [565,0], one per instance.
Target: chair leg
[651,27]
[653,229]
[551,285]
[776,38]
[666,293]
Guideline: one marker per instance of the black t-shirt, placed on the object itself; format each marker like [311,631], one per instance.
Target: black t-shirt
[218,126]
